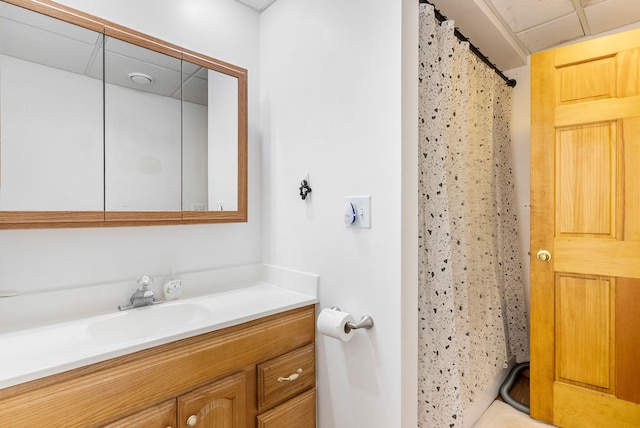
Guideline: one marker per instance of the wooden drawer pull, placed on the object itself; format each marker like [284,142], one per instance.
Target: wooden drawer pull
[291,377]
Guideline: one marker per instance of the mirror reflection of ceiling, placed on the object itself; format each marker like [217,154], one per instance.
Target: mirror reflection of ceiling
[258,5]
[509,30]
[50,42]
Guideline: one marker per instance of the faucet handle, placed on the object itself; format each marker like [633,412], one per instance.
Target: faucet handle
[144,282]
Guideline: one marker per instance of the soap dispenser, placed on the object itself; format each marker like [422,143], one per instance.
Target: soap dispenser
[172,287]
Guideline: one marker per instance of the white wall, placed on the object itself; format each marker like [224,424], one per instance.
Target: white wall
[332,106]
[520,144]
[55,258]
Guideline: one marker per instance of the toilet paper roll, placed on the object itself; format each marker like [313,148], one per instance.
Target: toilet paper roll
[332,323]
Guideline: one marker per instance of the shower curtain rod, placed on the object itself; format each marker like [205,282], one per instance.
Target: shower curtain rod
[440,17]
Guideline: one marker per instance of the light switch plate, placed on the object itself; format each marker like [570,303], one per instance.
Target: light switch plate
[362,205]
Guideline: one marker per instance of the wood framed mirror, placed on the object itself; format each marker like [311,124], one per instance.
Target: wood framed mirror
[101,125]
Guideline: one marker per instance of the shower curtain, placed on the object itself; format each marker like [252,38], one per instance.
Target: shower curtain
[471,298]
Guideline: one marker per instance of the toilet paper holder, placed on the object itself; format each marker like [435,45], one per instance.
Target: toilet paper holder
[366,322]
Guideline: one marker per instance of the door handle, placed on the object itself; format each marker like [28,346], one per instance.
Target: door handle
[543,255]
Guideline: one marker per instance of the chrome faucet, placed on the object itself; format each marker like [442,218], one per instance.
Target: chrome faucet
[143,295]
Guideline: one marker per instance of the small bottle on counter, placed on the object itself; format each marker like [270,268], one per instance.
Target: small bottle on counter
[172,287]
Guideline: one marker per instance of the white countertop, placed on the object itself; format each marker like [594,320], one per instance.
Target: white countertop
[41,351]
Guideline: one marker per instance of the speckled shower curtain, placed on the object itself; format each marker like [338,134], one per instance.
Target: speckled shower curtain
[471,298]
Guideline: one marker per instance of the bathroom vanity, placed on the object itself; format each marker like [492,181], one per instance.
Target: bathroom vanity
[236,350]
[259,373]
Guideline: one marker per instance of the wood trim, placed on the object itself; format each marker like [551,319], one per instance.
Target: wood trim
[11,218]
[213,64]
[243,146]
[134,382]
[603,410]
[600,47]
[542,292]
[576,255]
[134,37]
[211,215]
[598,111]
[141,216]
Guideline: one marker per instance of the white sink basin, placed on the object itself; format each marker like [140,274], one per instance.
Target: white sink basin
[148,321]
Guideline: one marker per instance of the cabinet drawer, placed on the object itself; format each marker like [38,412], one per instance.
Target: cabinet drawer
[299,412]
[285,376]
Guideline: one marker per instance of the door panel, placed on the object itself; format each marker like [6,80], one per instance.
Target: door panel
[586,180]
[631,131]
[628,76]
[585,210]
[588,80]
[627,344]
[583,334]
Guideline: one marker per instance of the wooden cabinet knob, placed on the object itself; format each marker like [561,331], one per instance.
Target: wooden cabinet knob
[192,421]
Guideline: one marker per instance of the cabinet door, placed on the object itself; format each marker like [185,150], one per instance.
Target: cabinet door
[299,412]
[221,404]
[161,416]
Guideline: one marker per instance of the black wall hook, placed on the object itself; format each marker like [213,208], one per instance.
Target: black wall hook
[304,189]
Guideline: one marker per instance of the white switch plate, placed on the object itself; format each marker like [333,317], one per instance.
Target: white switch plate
[362,205]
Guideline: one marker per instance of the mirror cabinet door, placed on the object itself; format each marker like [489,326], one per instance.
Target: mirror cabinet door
[209,139]
[142,128]
[51,114]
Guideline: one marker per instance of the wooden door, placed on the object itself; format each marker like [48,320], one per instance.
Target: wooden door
[585,202]
[221,404]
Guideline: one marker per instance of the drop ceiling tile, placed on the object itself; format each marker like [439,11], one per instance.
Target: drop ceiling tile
[46,23]
[523,15]
[166,81]
[45,47]
[587,3]
[612,14]
[142,54]
[552,33]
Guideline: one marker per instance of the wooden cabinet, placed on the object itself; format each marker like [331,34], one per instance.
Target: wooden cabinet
[228,378]
[162,415]
[285,378]
[221,405]
[299,412]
